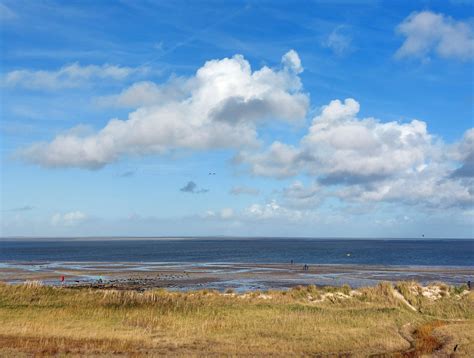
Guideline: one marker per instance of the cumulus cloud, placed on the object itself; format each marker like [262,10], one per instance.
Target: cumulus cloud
[279,160]
[191,187]
[428,189]
[68,219]
[341,148]
[68,76]
[367,160]
[427,32]
[291,61]
[244,190]
[224,103]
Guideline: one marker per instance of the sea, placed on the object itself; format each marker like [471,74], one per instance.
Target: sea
[411,252]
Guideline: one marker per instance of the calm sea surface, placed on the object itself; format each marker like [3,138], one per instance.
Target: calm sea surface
[311,251]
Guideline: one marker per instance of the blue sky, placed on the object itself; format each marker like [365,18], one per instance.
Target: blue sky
[318,118]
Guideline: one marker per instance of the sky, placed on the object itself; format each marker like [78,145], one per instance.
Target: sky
[237,118]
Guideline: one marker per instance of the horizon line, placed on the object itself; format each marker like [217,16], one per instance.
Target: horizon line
[236,237]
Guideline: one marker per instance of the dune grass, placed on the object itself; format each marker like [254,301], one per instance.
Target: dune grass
[41,320]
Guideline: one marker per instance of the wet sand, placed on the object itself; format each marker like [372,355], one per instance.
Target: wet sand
[240,277]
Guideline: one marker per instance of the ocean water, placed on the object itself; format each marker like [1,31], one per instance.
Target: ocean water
[260,250]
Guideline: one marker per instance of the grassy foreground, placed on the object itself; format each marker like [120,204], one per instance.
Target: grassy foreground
[405,320]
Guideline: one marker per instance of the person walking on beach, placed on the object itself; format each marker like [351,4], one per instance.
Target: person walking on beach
[62,280]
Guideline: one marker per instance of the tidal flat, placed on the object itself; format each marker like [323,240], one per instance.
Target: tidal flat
[241,277]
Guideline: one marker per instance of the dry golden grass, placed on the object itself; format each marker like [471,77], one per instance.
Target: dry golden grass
[304,321]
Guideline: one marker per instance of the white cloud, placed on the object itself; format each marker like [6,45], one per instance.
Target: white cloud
[224,104]
[369,161]
[427,32]
[275,212]
[279,160]
[339,41]
[291,61]
[269,210]
[429,189]
[223,214]
[147,93]
[346,148]
[297,195]
[68,76]
[68,219]
[340,148]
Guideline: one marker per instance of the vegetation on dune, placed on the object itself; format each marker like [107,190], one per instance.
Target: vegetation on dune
[405,320]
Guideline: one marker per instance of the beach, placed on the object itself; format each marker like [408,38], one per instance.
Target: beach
[241,277]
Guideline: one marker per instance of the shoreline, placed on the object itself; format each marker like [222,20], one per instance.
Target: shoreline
[241,277]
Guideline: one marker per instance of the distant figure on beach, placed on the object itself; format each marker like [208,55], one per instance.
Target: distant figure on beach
[62,279]
[305,267]
[469,285]
[291,262]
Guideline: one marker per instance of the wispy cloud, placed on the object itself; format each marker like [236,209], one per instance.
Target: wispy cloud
[197,35]
[147,93]
[69,76]
[6,13]
[21,208]
[127,174]
[225,214]
[339,41]
[244,190]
